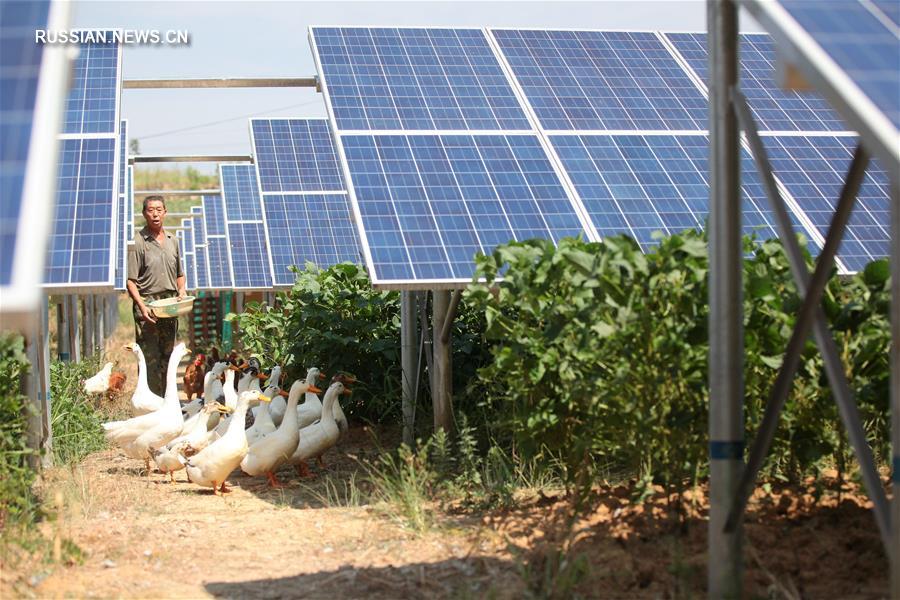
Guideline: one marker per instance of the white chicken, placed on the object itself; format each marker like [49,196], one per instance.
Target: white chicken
[99,383]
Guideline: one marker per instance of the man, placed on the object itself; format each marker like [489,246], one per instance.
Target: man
[154,272]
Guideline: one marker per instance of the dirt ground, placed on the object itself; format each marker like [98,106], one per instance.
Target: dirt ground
[141,537]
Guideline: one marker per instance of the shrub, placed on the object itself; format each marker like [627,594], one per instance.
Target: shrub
[17,502]
[75,419]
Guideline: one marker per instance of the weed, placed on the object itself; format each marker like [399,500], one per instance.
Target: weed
[75,419]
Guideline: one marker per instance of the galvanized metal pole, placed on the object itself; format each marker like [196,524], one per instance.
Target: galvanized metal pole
[31,390]
[895,388]
[100,310]
[726,382]
[62,331]
[42,344]
[442,386]
[74,333]
[409,336]
[87,321]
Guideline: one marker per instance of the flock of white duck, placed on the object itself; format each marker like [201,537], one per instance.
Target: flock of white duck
[208,437]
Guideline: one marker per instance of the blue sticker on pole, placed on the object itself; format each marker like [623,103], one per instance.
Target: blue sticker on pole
[719,450]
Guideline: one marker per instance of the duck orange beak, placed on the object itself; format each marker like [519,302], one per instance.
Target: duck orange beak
[322,376]
[314,390]
[283,394]
[347,391]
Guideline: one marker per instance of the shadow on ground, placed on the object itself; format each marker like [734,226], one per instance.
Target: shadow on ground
[475,577]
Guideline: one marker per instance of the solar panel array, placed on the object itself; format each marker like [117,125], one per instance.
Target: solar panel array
[307,213]
[190,264]
[83,240]
[202,265]
[218,265]
[32,78]
[248,249]
[623,113]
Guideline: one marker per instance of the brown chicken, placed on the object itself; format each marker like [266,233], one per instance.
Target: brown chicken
[213,357]
[193,377]
[116,385]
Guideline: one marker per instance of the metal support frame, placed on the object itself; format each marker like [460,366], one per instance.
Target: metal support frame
[100,319]
[442,380]
[87,324]
[451,315]
[36,387]
[409,335]
[726,341]
[220,82]
[811,316]
[63,348]
[74,333]
[167,158]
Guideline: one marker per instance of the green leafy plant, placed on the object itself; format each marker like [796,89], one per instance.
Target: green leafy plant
[76,419]
[17,503]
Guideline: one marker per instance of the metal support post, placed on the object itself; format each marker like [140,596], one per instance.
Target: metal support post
[30,389]
[100,309]
[74,331]
[442,382]
[87,321]
[42,344]
[409,335]
[726,345]
[63,351]
[895,388]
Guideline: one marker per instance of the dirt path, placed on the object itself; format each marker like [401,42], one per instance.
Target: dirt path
[150,539]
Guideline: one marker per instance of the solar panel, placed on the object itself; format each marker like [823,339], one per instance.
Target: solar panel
[202,266]
[83,244]
[130,203]
[812,170]
[860,43]
[774,109]
[890,9]
[596,80]
[295,155]
[32,78]
[312,228]
[80,249]
[247,245]
[641,184]
[213,215]
[190,268]
[92,105]
[121,256]
[415,79]
[218,267]
[429,203]
[179,237]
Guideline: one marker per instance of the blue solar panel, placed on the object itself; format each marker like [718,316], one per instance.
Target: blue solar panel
[199,225]
[415,79]
[82,231]
[429,203]
[312,228]
[859,43]
[890,9]
[213,215]
[296,155]
[121,245]
[774,109]
[593,80]
[123,155]
[813,170]
[189,262]
[640,184]
[240,193]
[217,259]
[248,248]
[92,104]
[249,255]
[20,63]
[179,236]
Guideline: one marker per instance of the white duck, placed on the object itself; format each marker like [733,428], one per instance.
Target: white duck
[263,424]
[209,396]
[311,410]
[99,383]
[139,435]
[231,400]
[170,458]
[249,381]
[319,437]
[144,400]
[212,465]
[276,407]
[268,453]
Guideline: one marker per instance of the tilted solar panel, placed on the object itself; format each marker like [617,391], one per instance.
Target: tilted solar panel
[860,43]
[218,267]
[429,203]
[247,245]
[641,184]
[774,108]
[121,256]
[81,239]
[93,102]
[202,266]
[130,203]
[190,270]
[602,80]
[32,80]
[213,215]
[812,170]
[415,79]
[295,155]
[312,228]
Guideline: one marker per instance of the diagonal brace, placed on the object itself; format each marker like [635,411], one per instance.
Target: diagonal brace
[811,316]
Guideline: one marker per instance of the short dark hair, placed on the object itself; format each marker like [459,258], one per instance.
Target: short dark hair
[150,199]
